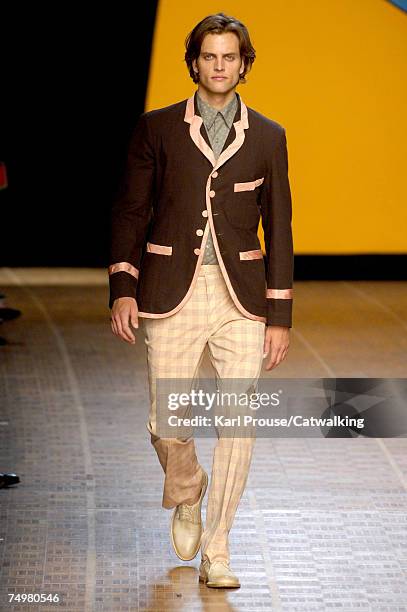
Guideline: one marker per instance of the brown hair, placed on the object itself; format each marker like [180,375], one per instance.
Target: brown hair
[218,24]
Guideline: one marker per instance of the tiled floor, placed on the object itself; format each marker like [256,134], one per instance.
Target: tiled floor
[322,524]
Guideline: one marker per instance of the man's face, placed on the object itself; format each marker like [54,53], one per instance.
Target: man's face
[219,57]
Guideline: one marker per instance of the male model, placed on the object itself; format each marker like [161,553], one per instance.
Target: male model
[185,258]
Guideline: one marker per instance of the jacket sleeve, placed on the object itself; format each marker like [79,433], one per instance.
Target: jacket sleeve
[276,213]
[131,213]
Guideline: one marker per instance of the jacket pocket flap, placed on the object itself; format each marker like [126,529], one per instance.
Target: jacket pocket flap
[248,186]
[254,254]
[159,249]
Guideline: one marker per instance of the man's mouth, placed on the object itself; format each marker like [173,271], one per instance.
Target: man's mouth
[218,78]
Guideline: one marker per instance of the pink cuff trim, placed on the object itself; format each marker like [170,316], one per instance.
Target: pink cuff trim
[279,294]
[123,266]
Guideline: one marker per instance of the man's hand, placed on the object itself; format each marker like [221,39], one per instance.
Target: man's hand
[276,342]
[123,309]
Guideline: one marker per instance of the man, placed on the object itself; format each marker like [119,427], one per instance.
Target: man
[185,258]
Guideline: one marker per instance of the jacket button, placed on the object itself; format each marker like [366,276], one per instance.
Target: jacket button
[204,213]
[215,174]
[197,251]
[211,193]
[199,232]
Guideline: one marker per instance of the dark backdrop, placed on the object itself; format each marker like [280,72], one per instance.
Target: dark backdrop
[73,85]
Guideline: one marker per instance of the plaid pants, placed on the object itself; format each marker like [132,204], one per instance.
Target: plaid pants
[175,348]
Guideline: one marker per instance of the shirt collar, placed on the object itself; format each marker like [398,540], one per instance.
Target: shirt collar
[209,113]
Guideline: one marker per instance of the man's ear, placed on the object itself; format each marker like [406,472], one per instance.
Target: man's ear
[241,67]
[194,65]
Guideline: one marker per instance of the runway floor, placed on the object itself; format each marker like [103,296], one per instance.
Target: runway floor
[322,524]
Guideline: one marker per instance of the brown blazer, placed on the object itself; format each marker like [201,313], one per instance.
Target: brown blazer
[173,191]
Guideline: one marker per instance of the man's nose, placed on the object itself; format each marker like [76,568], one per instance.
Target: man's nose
[219,65]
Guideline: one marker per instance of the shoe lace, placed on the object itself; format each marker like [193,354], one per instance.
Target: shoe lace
[225,564]
[205,561]
[185,513]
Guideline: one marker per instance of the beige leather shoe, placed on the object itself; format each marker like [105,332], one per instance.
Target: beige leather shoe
[186,526]
[217,575]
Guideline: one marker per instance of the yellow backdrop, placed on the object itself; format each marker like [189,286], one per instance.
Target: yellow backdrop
[333,73]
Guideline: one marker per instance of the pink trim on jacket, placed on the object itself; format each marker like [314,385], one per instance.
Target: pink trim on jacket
[123,266]
[195,122]
[159,249]
[255,254]
[280,294]
[248,186]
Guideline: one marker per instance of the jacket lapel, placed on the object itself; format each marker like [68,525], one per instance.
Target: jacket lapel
[200,137]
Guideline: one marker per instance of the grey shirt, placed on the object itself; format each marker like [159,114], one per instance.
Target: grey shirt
[217,124]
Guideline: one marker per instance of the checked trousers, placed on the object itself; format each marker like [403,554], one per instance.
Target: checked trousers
[175,347]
